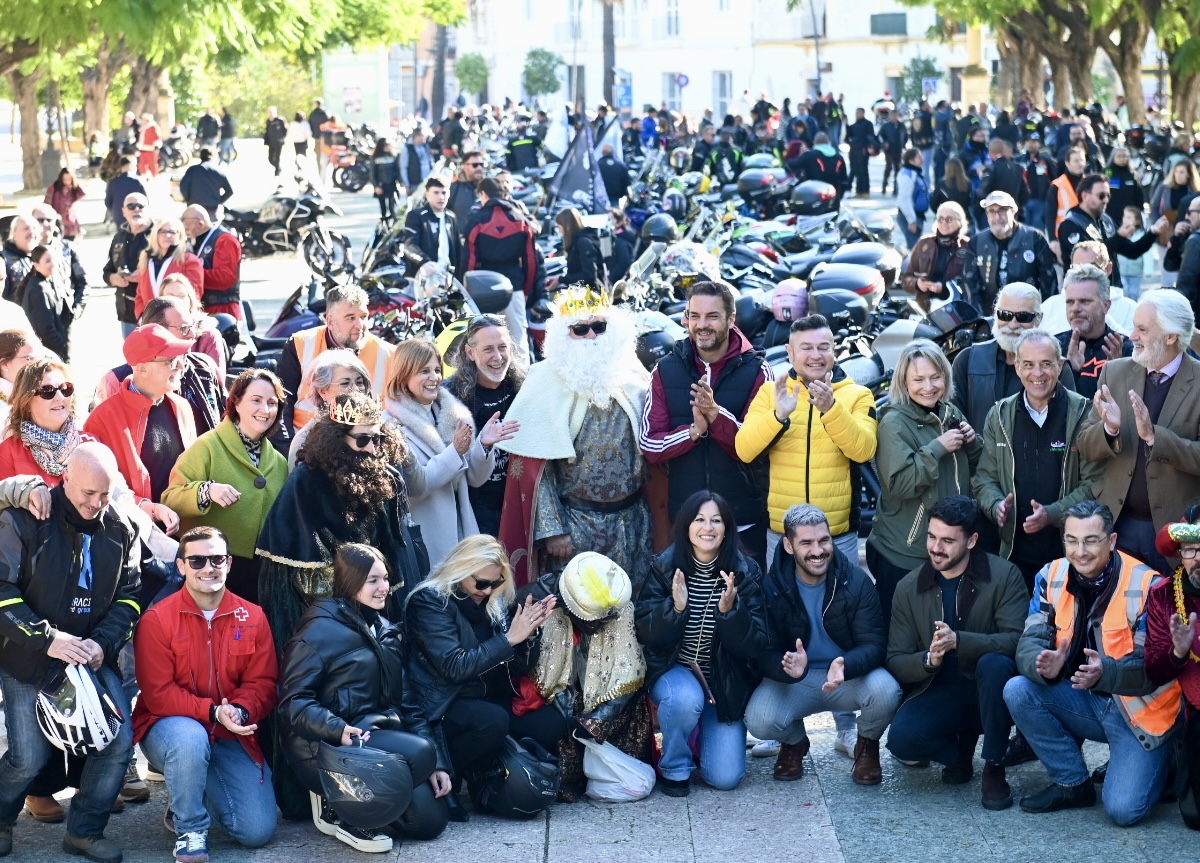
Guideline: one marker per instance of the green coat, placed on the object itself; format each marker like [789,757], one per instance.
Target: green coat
[220,456]
[915,472]
[996,478]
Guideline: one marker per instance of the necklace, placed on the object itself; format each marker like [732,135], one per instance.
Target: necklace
[1180,606]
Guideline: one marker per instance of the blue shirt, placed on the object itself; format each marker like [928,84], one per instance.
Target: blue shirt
[820,648]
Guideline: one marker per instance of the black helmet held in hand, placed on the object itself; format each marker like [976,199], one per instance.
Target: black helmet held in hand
[366,787]
[660,228]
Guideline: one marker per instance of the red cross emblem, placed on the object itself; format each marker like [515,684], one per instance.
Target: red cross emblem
[241,614]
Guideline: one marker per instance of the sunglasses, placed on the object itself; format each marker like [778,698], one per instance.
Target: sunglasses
[47,392]
[596,327]
[474,164]
[135,206]
[1020,317]
[483,584]
[362,441]
[199,561]
[44,220]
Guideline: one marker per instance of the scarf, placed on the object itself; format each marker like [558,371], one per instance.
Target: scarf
[253,447]
[615,665]
[50,449]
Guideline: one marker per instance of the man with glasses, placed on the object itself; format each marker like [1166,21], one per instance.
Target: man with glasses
[220,251]
[145,424]
[207,668]
[1089,221]
[1006,252]
[1083,677]
[1188,281]
[121,267]
[463,191]
[22,239]
[69,586]
[69,278]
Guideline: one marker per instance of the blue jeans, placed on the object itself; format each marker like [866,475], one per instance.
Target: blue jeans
[910,238]
[681,707]
[126,329]
[212,776]
[1055,718]
[1131,286]
[1034,213]
[29,750]
[227,149]
[930,181]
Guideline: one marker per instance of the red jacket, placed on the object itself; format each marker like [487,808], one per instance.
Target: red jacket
[185,664]
[192,268]
[226,274]
[119,422]
[16,459]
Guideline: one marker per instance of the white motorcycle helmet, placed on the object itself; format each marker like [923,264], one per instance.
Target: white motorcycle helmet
[76,714]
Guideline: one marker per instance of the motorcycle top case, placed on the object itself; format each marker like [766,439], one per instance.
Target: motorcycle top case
[883,258]
[757,181]
[491,292]
[832,302]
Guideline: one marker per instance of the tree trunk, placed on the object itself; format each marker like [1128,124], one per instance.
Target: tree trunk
[15,54]
[25,94]
[143,90]
[1033,72]
[1007,86]
[1127,60]
[610,55]
[439,75]
[1062,85]
[97,83]
[1185,98]
[1079,68]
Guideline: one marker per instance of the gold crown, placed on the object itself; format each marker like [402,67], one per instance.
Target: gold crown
[580,301]
[355,409]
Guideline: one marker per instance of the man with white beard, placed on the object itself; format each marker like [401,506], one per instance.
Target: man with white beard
[986,373]
[1145,425]
[576,474]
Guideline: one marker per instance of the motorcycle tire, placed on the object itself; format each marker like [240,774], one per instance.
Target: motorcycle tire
[322,258]
[178,159]
[352,178]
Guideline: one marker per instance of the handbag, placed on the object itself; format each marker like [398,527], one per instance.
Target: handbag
[614,776]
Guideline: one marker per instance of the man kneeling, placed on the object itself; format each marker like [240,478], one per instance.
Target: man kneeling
[1083,677]
[198,710]
[825,648]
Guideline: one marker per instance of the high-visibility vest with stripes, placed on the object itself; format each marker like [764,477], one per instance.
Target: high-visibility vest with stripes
[312,343]
[1066,200]
[1157,712]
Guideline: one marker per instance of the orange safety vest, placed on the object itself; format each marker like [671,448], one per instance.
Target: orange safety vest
[1066,200]
[1157,712]
[310,344]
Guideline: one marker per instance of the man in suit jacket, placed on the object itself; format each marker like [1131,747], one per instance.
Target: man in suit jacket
[436,227]
[1146,425]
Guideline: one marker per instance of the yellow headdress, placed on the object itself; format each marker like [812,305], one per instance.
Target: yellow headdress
[355,409]
[580,301]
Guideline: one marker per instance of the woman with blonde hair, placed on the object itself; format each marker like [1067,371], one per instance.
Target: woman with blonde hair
[939,257]
[203,326]
[441,433]
[464,627]
[166,252]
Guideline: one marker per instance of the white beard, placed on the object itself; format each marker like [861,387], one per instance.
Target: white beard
[1006,340]
[1151,357]
[594,369]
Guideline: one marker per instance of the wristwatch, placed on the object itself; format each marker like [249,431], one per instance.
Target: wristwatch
[927,661]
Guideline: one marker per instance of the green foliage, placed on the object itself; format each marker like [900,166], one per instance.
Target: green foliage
[258,81]
[472,73]
[541,72]
[917,70]
[1102,89]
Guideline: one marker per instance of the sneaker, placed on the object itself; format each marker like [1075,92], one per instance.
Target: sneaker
[675,787]
[370,841]
[154,776]
[191,847]
[5,839]
[751,740]
[169,820]
[766,748]
[324,818]
[93,848]
[134,790]
[846,741]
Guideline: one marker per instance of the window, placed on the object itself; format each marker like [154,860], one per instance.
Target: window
[672,17]
[672,92]
[810,15]
[722,5]
[890,24]
[722,85]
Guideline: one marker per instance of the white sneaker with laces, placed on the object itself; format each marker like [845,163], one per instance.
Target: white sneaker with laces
[766,748]
[846,741]
[751,740]
[324,818]
[191,847]
[370,841]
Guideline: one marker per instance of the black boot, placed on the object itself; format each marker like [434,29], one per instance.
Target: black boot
[458,812]
[1055,798]
[961,771]
[1019,751]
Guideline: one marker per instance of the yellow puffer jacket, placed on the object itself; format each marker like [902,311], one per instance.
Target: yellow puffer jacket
[810,462]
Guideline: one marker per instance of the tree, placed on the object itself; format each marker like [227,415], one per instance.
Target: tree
[610,50]
[540,76]
[471,70]
[918,70]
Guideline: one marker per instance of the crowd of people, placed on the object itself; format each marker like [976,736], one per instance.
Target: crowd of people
[390,569]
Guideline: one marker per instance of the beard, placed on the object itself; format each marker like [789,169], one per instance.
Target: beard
[1150,356]
[362,481]
[1005,338]
[594,369]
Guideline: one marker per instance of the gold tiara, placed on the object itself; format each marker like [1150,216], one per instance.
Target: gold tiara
[355,409]
[579,301]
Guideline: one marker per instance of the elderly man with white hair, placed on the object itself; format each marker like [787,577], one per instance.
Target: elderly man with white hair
[1145,426]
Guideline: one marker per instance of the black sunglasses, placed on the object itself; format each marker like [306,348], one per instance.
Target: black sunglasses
[596,327]
[135,206]
[44,220]
[1020,317]
[47,392]
[473,164]
[199,561]
[483,584]
[362,441]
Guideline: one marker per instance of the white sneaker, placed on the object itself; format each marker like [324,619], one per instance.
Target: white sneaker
[324,818]
[766,748]
[846,741]
[192,847]
[154,776]
[370,841]
[751,740]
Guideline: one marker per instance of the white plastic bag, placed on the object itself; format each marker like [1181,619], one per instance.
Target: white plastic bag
[613,776]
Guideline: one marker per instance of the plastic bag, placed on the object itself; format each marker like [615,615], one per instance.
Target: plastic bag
[613,776]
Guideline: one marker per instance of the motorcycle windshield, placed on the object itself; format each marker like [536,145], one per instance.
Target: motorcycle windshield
[639,268]
[952,316]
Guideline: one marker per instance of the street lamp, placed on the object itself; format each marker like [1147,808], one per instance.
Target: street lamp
[812,8]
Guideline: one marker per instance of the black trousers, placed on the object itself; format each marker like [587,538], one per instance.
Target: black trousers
[887,575]
[387,200]
[858,170]
[891,168]
[475,728]
[426,816]
[243,578]
[274,152]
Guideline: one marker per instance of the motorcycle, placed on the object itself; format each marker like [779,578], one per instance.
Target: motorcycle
[174,151]
[285,224]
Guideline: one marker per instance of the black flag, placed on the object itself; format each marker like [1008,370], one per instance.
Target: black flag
[578,179]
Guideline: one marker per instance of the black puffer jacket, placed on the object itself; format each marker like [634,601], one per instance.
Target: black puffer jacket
[337,673]
[444,655]
[852,616]
[739,638]
[585,264]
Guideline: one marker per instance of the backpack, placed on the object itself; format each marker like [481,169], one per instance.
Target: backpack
[920,192]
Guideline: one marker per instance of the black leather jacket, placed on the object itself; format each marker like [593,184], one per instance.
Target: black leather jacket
[1029,260]
[337,673]
[444,654]
[739,638]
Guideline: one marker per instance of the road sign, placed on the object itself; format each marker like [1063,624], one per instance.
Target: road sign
[624,97]
[929,85]
[681,80]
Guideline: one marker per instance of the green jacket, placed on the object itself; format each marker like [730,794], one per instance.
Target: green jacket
[992,604]
[915,472]
[996,478]
[220,456]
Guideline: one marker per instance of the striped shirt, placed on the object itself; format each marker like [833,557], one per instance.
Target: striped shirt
[704,592]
